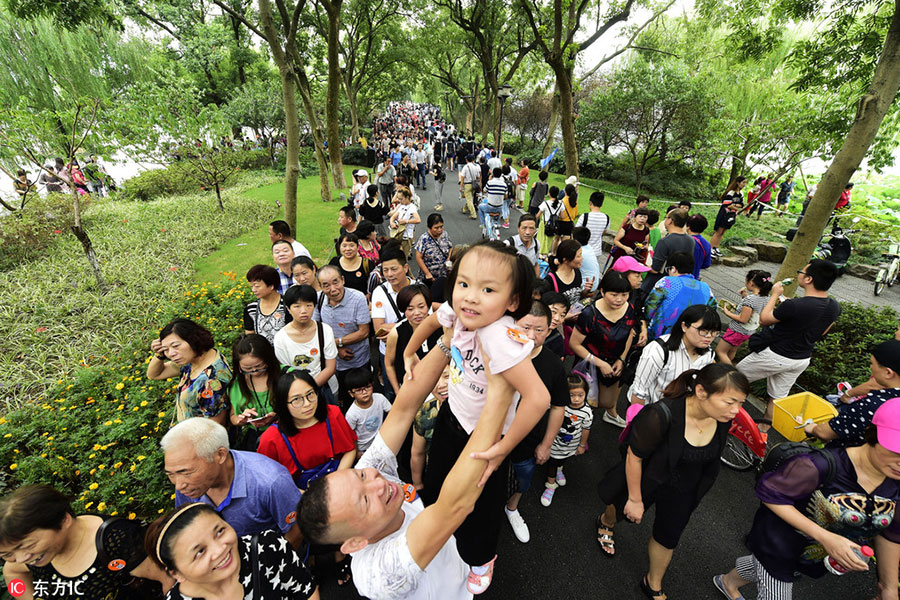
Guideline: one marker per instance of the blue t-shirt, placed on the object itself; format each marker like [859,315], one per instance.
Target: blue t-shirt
[668,299]
[702,254]
[262,495]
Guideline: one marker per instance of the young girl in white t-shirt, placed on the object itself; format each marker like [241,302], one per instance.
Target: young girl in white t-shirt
[745,318]
[572,437]
[490,288]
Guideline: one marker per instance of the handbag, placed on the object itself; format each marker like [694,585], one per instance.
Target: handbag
[761,340]
[303,477]
[588,370]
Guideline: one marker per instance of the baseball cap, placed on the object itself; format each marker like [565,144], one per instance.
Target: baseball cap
[571,179]
[628,263]
[887,420]
[362,173]
[888,355]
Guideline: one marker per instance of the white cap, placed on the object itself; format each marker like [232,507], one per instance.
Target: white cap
[572,179]
[362,173]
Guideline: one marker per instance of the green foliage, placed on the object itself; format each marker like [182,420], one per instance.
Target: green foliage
[179,177]
[355,155]
[98,431]
[843,354]
[53,316]
[25,234]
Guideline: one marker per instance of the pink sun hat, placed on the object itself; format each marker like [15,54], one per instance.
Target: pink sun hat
[629,263]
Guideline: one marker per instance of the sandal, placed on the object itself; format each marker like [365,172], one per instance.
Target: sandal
[606,541]
[344,575]
[650,592]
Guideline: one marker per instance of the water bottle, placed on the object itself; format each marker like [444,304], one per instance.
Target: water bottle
[833,566]
[787,282]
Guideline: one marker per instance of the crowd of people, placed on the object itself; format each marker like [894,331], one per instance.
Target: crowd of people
[383,414]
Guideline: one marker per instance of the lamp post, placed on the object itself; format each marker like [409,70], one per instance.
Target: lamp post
[503,93]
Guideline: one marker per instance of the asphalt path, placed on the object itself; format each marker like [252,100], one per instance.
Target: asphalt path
[563,560]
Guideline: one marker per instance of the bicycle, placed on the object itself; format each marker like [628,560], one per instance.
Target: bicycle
[491,226]
[746,445]
[887,276]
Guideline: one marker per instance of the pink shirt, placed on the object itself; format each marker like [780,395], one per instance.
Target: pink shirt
[505,344]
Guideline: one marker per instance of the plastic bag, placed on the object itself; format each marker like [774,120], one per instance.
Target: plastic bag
[588,370]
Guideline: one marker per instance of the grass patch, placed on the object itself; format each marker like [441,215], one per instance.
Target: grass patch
[54,319]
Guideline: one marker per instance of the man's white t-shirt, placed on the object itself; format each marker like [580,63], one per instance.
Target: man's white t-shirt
[405,212]
[300,249]
[367,421]
[383,308]
[386,569]
[308,354]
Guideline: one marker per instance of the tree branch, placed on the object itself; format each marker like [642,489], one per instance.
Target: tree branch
[239,17]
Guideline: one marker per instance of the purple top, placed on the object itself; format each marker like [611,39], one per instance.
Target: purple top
[841,506]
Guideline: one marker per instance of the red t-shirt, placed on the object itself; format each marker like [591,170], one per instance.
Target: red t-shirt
[311,445]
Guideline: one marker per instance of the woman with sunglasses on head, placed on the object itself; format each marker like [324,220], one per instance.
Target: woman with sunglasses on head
[209,560]
[252,389]
[50,553]
[687,346]
[312,438]
[672,458]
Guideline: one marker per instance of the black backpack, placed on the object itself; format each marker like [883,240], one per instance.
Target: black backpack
[779,454]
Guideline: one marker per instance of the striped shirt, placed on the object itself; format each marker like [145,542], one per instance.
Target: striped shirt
[653,375]
[495,191]
[566,442]
[596,222]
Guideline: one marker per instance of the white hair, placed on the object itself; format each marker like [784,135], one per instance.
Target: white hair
[204,435]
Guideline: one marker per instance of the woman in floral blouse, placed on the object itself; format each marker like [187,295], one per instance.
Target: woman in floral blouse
[433,250]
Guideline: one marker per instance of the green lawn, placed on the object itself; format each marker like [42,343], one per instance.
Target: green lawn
[316,220]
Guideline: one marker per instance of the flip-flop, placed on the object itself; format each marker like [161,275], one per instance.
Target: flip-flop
[605,540]
[649,592]
[720,585]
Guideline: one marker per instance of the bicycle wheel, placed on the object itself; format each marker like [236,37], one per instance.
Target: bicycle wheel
[737,455]
[879,282]
[892,279]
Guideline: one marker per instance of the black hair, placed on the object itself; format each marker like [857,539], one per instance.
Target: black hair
[682,261]
[715,378]
[582,235]
[652,217]
[522,274]
[280,401]
[576,381]
[553,191]
[572,193]
[762,280]
[497,172]
[281,228]
[276,242]
[348,236]
[642,198]
[870,435]
[540,287]
[305,261]
[265,273]
[552,297]
[349,211]
[643,211]
[371,190]
[678,216]
[364,229]
[823,273]
[708,317]
[253,344]
[527,217]
[615,282]
[358,377]
[596,199]
[195,335]
[433,219]
[32,507]
[299,293]
[543,175]
[312,512]
[539,309]
[697,223]
[392,252]
[406,295]
[166,557]
[685,204]
[567,251]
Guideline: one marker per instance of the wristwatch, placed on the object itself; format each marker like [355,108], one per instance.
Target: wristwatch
[443,347]
[340,343]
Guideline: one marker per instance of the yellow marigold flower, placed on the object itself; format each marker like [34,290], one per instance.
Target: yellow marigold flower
[120,385]
[93,486]
[88,505]
[141,457]
[160,415]
[117,465]
[173,496]
[13,466]
[8,435]
[132,516]
[101,507]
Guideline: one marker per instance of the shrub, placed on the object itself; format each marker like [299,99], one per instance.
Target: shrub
[843,354]
[96,435]
[355,155]
[178,178]
[25,233]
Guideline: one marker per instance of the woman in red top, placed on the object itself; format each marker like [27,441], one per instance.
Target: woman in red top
[631,239]
[317,432]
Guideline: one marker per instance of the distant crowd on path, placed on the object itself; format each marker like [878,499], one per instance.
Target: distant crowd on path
[62,178]
[375,422]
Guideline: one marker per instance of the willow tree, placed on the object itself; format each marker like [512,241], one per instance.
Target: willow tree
[56,90]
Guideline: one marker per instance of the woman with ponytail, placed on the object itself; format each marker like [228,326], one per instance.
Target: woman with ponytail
[672,453]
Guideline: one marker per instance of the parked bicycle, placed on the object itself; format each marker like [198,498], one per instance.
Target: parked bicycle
[887,276]
[746,446]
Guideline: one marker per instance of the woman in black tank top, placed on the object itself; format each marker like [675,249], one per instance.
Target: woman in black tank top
[414,302]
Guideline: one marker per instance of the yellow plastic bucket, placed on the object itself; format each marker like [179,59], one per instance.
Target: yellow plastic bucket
[794,410]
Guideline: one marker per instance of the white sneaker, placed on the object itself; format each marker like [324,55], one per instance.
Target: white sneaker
[614,420]
[519,527]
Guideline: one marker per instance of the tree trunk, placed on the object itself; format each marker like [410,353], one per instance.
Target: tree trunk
[292,152]
[315,130]
[219,197]
[872,108]
[332,108]
[554,122]
[85,240]
[567,117]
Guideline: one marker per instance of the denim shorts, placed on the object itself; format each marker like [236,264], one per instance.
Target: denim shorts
[522,473]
